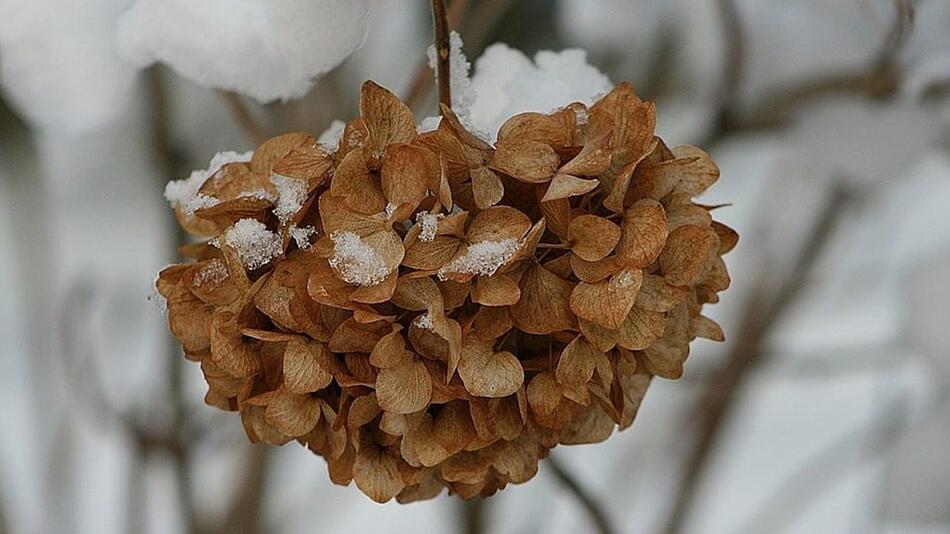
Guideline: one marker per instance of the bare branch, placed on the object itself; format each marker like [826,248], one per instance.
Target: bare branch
[443,67]
[242,116]
[596,511]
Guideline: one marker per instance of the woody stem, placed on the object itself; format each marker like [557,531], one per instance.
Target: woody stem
[441,23]
[594,508]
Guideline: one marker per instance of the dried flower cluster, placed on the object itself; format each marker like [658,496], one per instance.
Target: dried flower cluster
[428,311]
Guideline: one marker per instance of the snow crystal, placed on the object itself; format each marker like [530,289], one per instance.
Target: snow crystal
[355,261]
[185,192]
[425,321]
[213,273]
[291,194]
[302,235]
[506,82]
[197,202]
[429,223]
[482,258]
[330,138]
[254,243]
[390,209]
[266,50]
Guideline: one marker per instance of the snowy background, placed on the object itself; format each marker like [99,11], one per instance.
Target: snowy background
[830,120]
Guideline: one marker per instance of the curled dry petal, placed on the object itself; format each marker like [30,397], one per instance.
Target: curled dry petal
[388,121]
[376,473]
[487,373]
[404,388]
[685,254]
[566,186]
[644,234]
[305,366]
[525,160]
[593,237]
[544,306]
[608,302]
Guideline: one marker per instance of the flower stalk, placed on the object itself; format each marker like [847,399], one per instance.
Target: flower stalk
[441,24]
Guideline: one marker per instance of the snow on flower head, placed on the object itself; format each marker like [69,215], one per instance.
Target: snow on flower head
[429,225]
[355,261]
[291,194]
[302,236]
[482,258]
[213,273]
[330,138]
[255,245]
[506,82]
[184,192]
[264,49]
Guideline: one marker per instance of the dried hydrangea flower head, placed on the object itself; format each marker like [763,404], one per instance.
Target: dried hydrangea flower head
[430,311]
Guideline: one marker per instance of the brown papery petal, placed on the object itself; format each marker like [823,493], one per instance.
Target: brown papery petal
[275,148]
[576,365]
[303,372]
[699,175]
[387,119]
[566,186]
[607,303]
[728,238]
[337,216]
[381,292]
[305,163]
[525,160]
[640,329]
[487,373]
[431,255]
[593,159]
[594,271]
[486,188]
[293,415]
[544,306]
[376,472]
[356,184]
[544,394]
[657,295]
[557,214]
[704,327]
[405,388]
[498,223]
[593,237]
[497,290]
[404,178]
[644,234]
[546,129]
[390,351]
[415,294]
[602,338]
[685,254]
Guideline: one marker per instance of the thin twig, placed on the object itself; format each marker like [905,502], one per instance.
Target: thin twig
[734,60]
[246,515]
[762,312]
[422,81]
[590,504]
[243,118]
[443,67]
[473,515]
